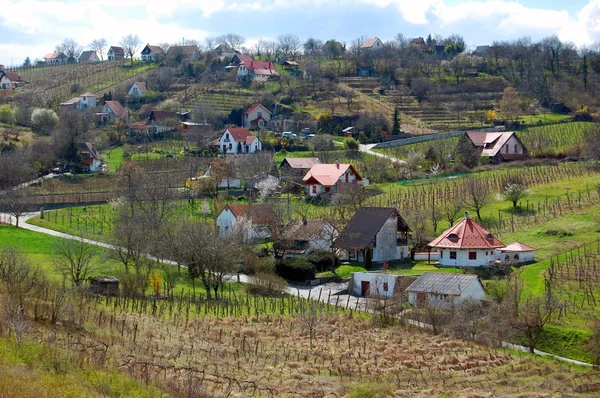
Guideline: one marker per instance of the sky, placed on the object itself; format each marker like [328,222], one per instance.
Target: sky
[32,28]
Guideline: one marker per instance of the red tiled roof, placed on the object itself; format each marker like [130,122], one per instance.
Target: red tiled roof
[369,42]
[136,125]
[467,234]
[239,134]
[517,247]
[260,214]
[155,49]
[328,174]
[117,109]
[54,55]
[12,76]
[253,107]
[245,59]
[261,67]
[250,139]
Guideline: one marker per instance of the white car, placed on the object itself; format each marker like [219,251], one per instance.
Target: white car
[288,134]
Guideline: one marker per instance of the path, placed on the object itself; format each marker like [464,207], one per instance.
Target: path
[334,293]
[368,148]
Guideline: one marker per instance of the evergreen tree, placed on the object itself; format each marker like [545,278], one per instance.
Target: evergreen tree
[584,70]
[396,126]
[71,156]
[27,63]
[369,259]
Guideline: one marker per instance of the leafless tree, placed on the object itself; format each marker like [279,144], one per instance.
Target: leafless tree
[477,195]
[76,260]
[532,315]
[469,319]
[232,40]
[98,46]
[131,44]
[312,319]
[451,211]
[70,48]
[15,202]
[289,45]
[14,168]
[593,343]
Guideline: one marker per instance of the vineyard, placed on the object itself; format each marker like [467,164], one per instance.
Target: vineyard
[290,347]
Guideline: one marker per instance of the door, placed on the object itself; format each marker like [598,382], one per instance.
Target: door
[421,297]
[364,288]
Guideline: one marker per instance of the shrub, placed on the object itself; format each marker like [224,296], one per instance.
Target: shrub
[267,284]
[350,143]
[322,260]
[296,269]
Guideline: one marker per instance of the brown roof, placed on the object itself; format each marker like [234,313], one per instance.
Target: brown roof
[304,231]
[86,55]
[154,49]
[364,226]
[260,214]
[186,51]
[12,76]
[329,173]
[161,116]
[117,109]
[243,58]
[300,163]
[117,50]
[54,55]
[369,42]
[467,234]
[91,148]
[142,86]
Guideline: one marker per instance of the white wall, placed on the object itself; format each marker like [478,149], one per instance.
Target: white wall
[135,91]
[512,141]
[376,283]
[474,290]
[5,83]
[424,256]
[385,242]
[226,220]
[523,257]
[86,102]
[254,115]
[462,258]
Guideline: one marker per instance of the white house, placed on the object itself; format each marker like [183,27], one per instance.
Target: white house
[84,101]
[88,57]
[256,71]
[239,140]
[258,217]
[9,80]
[444,289]
[516,253]
[381,231]
[256,116]
[498,146]
[112,111]
[138,89]
[372,44]
[92,160]
[307,236]
[234,181]
[152,53]
[329,178]
[55,58]
[467,244]
[378,284]
[115,53]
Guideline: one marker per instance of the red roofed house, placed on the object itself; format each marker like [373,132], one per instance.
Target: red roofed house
[9,80]
[259,216]
[115,53]
[239,59]
[516,253]
[55,59]
[499,146]
[329,178]
[467,244]
[372,44]
[239,140]
[256,116]
[256,71]
[113,111]
[152,53]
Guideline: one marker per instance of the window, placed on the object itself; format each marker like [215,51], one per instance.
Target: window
[516,148]
[227,136]
[472,255]
[230,146]
[327,189]
[258,114]
[441,254]
[385,286]
[453,237]
[516,257]
[506,149]
[452,255]
[314,189]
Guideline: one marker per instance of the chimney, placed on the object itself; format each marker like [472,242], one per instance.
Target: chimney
[467,216]
[304,222]
[337,163]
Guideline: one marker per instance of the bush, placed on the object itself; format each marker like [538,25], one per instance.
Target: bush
[267,284]
[350,143]
[321,259]
[296,269]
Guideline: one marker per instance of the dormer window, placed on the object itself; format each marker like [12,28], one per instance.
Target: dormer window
[453,237]
[489,237]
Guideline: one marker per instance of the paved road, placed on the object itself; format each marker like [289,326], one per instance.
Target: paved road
[368,148]
[334,293]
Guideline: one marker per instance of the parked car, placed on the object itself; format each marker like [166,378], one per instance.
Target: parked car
[306,131]
[288,135]
[57,170]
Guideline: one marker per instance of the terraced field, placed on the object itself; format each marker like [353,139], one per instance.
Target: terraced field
[222,101]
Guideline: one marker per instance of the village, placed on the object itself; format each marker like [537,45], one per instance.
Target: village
[196,212]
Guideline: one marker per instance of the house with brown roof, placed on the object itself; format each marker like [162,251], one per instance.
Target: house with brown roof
[152,53]
[256,71]
[328,179]
[9,80]
[183,53]
[373,44]
[256,116]
[137,89]
[88,57]
[258,217]
[419,42]
[92,161]
[498,146]
[113,111]
[84,101]
[55,58]
[297,164]
[466,244]
[239,140]
[380,231]
[306,236]
[115,53]
[163,121]
[240,59]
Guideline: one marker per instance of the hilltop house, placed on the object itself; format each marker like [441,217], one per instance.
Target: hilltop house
[307,236]
[379,230]
[498,146]
[258,216]
[239,140]
[115,53]
[256,116]
[90,156]
[240,59]
[113,111]
[328,179]
[55,58]
[88,57]
[9,80]
[152,53]
[444,289]
[372,44]
[256,71]
[137,90]
[183,53]
[467,244]
[419,42]
[84,101]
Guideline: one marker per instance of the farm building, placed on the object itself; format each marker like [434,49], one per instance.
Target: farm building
[256,71]
[440,288]
[378,284]
[372,44]
[259,217]
[328,179]
[9,80]
[113,111]
[152,53]
[516,253]
[498,146]
[379,230]
[55,58]
[467,244]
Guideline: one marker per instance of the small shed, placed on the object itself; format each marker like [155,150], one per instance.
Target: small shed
[107,285]
[441,289]
[379,284]
[516,253]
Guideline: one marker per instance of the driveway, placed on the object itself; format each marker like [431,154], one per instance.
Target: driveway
[368,148]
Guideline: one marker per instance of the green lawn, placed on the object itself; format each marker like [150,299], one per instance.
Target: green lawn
[113,159]
[543,118]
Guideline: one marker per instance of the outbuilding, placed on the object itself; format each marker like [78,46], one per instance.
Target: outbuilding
[516,253]
[444,289]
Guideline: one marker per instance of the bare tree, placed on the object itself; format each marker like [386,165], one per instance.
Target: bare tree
[98,46]
[451,211]
[131,44]
[14,168]
[289,45]
[532,315]
[15,202]
[232,40]
[70,48]
[477,195]
[76,260]
[311,320]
